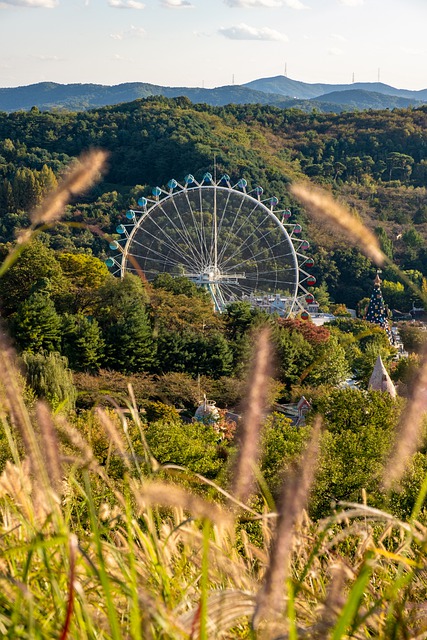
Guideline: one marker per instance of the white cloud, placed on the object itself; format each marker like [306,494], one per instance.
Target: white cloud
[334,51]
[133,32]
[243,31]
[248,4]
[39,4]
[352,3]
[266,4]
[176,4]
[337,36]
[295,4]
[44,58]
[122,58]
[412,52]
[126,4]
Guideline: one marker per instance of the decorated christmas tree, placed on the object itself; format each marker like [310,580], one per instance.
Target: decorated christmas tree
[377,312]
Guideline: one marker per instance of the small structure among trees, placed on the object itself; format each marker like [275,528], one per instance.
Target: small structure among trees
[377,311]
[380,380]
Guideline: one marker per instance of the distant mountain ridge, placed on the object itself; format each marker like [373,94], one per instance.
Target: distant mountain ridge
[279,91]
[284,86]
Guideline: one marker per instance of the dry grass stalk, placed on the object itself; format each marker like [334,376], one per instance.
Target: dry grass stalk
[79,178]
[170,495]
[321,204]
[49,446]
[114,435]
[225,607]
[334,602]
[12,397]
[249,431]
[292,502]
[76,439]
[410,428]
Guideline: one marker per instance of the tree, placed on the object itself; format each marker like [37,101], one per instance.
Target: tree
[82,342]
[295,355]
[85,275]
[358,430]
[177,285]
[47,180]
[129,344]
[36,325]
[194,353]
[192,445]
[400,162]
[36,264]
[281,445]
[26,189]
[50,378]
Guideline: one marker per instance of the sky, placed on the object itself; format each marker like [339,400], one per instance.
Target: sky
[210,43]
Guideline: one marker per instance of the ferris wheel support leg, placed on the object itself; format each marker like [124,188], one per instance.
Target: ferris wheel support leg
[217,298]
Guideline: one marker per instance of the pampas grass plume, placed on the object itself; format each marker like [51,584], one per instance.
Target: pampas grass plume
[322,205]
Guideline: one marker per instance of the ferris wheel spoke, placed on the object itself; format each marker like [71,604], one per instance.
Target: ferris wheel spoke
[260,252]
[162,259]
[162,237]
[251,238]
[224,209]
[255,256]
[184,236]
[202,226]
[170,243]
[204,252]
[240,232]
[231,234]
[165,249]
[195,227]
[161,254]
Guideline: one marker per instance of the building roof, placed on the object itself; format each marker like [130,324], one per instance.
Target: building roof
[380,380]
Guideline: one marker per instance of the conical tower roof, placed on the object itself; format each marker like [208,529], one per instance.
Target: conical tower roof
[377,312]
[380,380]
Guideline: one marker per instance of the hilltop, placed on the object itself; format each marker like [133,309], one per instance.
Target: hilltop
[279,91]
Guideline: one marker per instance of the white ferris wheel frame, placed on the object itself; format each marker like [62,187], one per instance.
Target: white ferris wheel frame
[136,218]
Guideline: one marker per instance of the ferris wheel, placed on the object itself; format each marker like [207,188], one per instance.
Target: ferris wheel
[223,237]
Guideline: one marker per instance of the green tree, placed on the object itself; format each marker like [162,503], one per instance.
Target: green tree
[50,378]
[358,430]
[26,190]
[192,445]
[36,264]
[46,180]
[36,326]
[86,275]
[129,344]
[281,445]
[82,342]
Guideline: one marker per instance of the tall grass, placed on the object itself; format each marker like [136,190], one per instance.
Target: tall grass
[83,556]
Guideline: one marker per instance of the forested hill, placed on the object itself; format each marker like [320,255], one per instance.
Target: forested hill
[376,161]
[279,91]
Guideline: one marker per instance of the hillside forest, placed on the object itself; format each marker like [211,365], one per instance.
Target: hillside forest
[107,354]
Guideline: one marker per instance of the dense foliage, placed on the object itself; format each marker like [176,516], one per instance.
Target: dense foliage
[375,160]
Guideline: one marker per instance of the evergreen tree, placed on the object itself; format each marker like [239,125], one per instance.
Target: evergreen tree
[26,189]
[7,202]
[46,180]
[129,339]
[82,343]
[36,326]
